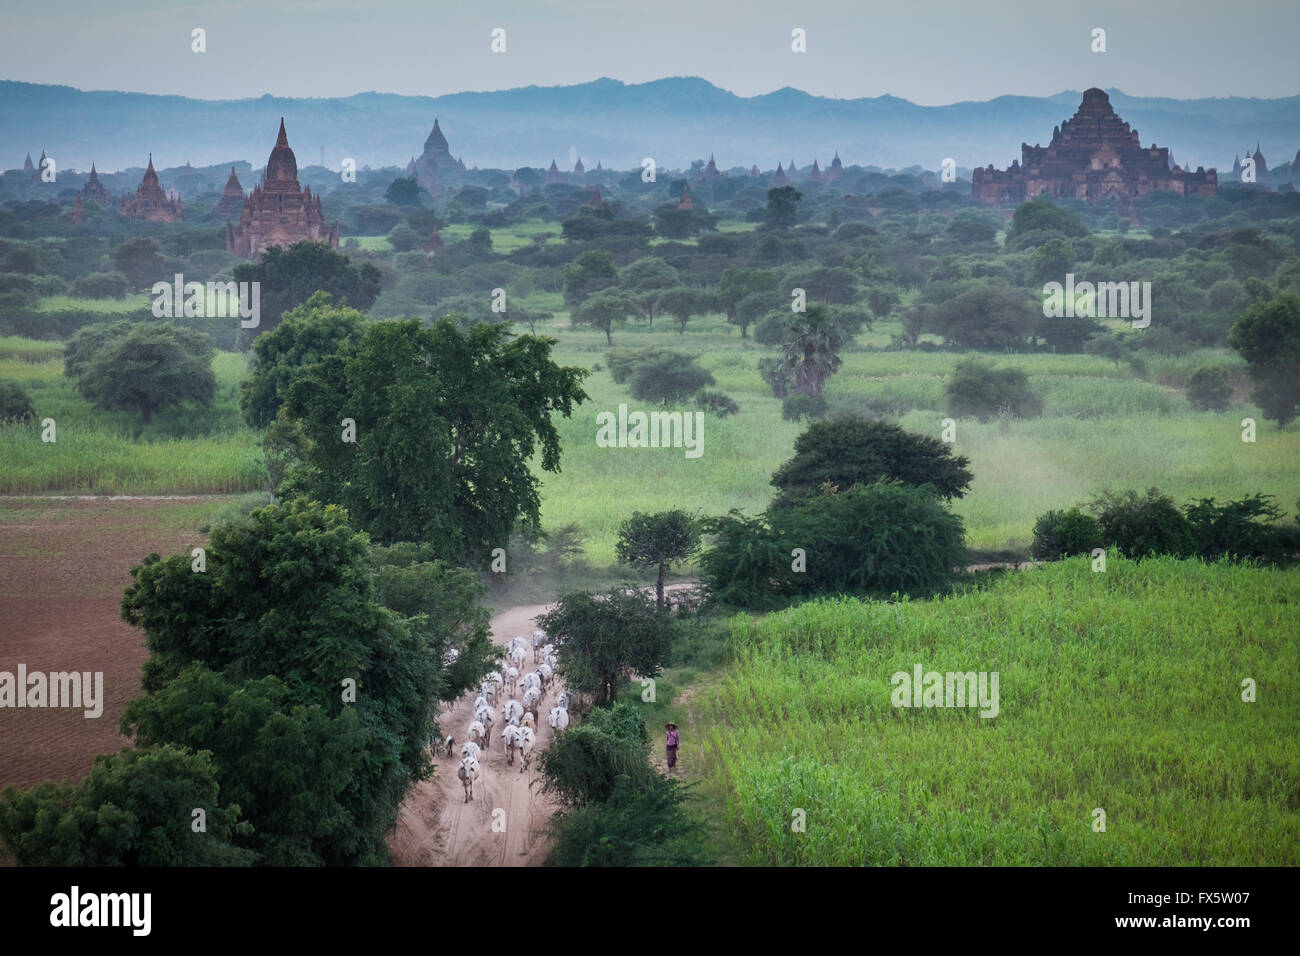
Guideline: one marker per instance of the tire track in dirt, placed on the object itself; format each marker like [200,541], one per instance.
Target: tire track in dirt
[436,827]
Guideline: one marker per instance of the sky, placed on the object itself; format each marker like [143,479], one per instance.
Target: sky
[931,52]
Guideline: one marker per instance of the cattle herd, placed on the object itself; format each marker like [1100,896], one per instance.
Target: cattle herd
[519,712]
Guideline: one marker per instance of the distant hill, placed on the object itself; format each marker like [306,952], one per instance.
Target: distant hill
[676,120]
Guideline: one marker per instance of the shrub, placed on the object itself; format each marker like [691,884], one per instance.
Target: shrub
[658,375]
[1141,525]
[799,406]
[1208,388]
[1059,534]
[15,406]
[850,451]
[1243,529]
[876,540]
[977,389]
[582,765]
[643,825]
[403,238]
[716,403]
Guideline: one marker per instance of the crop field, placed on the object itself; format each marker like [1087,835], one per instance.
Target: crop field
[1095,414]
[1119,691]
[184,450]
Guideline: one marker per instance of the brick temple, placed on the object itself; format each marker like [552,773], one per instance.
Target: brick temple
[95,190]
[150,203]
[436,164]
[232,197]
[1094,155]
[278,212]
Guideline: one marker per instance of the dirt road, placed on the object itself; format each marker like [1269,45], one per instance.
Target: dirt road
[435,827]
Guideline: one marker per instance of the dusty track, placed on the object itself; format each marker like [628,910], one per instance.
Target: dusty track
[435,827]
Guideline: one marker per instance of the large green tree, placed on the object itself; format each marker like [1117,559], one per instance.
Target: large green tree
[736,284]
[849,451]
[1267,335]
[602,309]
[135,809]
[252,658]
[646,280]
[987,317]
[445,423]
[152,367]
[290,276]
[782,210]
[657,541]
[140,260]
[603,638]
[305,336]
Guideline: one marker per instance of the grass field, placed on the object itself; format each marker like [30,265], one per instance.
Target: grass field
[1096,416]
[1102,428]
[64,303]
[504,240]
[186,450]
[1119,690]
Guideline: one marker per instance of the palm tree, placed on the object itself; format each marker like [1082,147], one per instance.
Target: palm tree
[813,342]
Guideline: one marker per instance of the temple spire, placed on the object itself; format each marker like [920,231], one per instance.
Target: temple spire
[283,138]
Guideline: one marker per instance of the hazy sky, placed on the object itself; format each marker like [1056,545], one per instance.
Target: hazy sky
[928,52]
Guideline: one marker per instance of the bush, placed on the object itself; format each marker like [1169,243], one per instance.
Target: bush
[582,765]
[874,540]
[799,406]
[403,238]
[15,406]
[1243,529]
[1059,534]
[716,403]
[1142,525]
[977,389]
[850,451]
[1208,388]
[643,825]
[658,375]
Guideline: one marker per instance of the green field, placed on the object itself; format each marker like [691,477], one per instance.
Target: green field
[504,240]
[1096,415]
[186,450]
[1119,690]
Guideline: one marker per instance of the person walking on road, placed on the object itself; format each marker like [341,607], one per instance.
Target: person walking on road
[672,742]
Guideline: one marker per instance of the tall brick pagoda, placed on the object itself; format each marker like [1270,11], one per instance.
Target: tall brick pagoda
[436,162]
[94,189]
[232,197]
[1094,155]
[278,212]
[150,203]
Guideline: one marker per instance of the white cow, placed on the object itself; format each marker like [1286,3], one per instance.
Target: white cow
[547,672]
[539,639]
[514,712]
[469,772]
[489,691]
[531,697]
[512,679]
[469,749]
[528,722]
[517,656]
[510,740]
[559,718]
[487,717]
[480,702]
[477,733]
[525,742]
